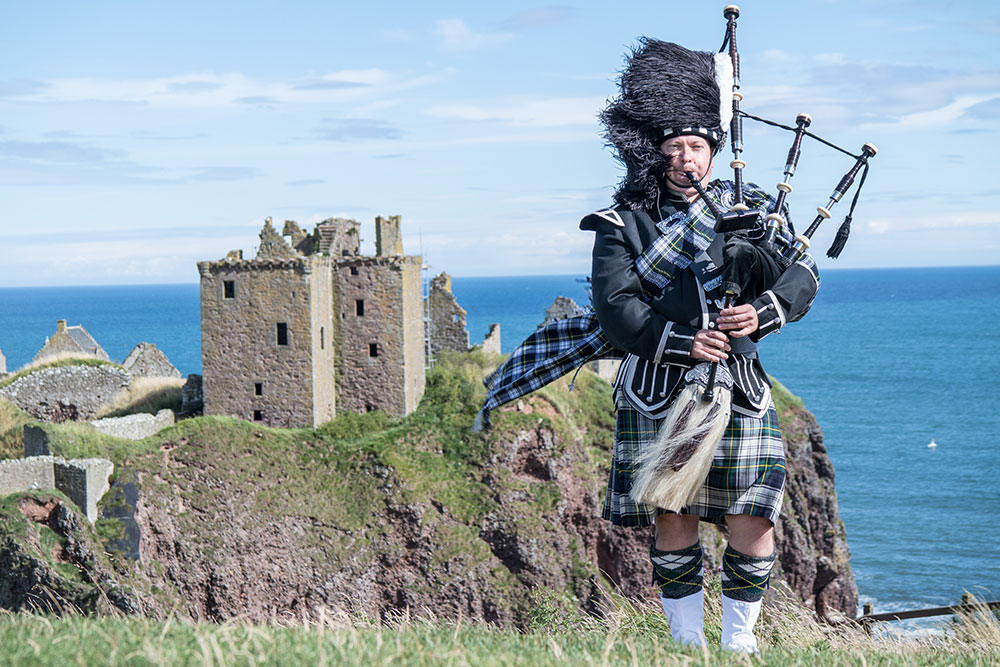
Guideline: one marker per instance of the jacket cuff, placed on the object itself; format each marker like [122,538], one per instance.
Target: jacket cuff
[675,344]
[770,315]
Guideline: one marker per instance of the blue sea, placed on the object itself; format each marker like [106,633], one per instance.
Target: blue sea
[888,360]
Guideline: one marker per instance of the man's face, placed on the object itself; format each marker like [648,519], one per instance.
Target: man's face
[687,153]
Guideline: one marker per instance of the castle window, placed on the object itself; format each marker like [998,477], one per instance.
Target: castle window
[322,336]
[359,307]
[372,349]
[354,270]
[282,333]
[258,388]
[258,415]
[229,289]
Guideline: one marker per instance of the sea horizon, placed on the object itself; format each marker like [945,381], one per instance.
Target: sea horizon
[430,274]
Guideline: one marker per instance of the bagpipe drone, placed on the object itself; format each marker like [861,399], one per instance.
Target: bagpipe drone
[671,472]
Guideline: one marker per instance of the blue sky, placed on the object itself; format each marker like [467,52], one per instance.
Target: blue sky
[139,138]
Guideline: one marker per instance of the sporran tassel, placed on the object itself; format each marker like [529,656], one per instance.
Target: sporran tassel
[840,240]
[672,470]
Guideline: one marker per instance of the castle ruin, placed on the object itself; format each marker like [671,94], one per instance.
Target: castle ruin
[310,326]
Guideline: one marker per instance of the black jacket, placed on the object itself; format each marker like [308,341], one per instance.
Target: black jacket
[657,329]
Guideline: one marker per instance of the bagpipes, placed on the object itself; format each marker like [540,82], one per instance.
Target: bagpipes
[670,473]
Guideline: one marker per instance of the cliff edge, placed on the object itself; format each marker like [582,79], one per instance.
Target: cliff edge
[379,515]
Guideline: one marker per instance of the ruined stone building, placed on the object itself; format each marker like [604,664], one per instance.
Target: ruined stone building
[70,341]
[310,326]
[148,361]
[445,319]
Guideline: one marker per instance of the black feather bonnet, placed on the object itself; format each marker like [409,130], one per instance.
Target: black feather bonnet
[666,90]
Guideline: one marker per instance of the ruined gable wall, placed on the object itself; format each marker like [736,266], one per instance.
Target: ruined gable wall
[446,319]
[491,344]
[338,237]
[239,340]
[365,382]
[414,348]
[60,343]
[3,363]
[146,360]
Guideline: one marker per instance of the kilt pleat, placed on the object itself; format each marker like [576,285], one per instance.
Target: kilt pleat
[747,474]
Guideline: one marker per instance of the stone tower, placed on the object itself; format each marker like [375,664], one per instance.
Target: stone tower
[388,239]
[310,324]
[266,336]
[379,319]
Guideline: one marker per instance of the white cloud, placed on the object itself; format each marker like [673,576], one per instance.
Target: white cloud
[943,220]
[207,90]
[830,58]
[942,116]
[553,112]
[455,35]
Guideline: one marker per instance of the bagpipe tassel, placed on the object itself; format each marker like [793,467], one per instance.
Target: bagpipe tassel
[670,473]
[840,240]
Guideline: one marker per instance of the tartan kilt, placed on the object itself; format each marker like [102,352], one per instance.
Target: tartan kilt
[747,474]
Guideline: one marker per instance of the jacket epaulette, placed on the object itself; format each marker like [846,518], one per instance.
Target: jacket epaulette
[616,216]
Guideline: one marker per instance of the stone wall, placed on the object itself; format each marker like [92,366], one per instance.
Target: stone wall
[83,481]
[258,340]
[192,395]
[562,308]
[414,348]
[303,243]
[67,392]
[131,427]
[491,343]
[375,305]
[446,319]
[338,237]
[146,360]
[3,364]
[388,237]
[324,390]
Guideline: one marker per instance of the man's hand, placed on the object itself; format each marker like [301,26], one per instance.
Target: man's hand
[710,345]
[739,321]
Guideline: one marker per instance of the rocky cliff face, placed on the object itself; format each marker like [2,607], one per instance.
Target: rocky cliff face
[812,542]
[379,516]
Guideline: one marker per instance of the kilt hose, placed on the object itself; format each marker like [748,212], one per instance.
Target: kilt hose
[747,474]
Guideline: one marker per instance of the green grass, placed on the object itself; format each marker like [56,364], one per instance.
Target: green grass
[628,635]
[148,395]
[12,421]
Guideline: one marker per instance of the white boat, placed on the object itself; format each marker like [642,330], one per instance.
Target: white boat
[932,444]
